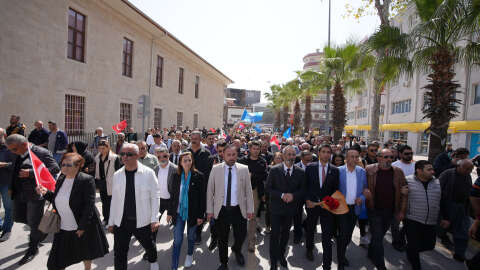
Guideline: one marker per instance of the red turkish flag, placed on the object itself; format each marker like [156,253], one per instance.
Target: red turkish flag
[42,174]
[213,130]
[241,126]
[120,126]
[275,140]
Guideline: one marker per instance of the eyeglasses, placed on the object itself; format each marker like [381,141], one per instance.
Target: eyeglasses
[128,154]
[68,165]
[390,157]
[408,153]
[163,156]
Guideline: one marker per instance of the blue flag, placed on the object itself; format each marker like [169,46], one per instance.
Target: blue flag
[287,133]
[257,128]
[244,115]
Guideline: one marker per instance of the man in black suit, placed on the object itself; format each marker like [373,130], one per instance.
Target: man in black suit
[286,186]
[27,204]
[322,180]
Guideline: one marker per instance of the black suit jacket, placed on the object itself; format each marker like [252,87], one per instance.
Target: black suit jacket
[197,197]
[82,199]
[24,188]
[277,183]
[330,185]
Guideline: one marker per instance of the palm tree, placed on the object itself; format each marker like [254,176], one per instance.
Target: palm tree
[447,35]
[311,83]
[343,68]
[275,104]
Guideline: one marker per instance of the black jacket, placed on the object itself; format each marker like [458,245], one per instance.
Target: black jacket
[442,163]
[268,156]
[38,137]
[277,183]
[6,172]
[329,186]
[448,181]
[258,172]
[197,197]
[82,199]
[24,188]
[203,161]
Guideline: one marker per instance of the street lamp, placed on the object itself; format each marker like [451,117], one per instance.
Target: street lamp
[327,112]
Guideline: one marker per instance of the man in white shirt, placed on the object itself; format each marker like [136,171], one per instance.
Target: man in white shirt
[164,173]
[134,207]
[407,165]
[353,181]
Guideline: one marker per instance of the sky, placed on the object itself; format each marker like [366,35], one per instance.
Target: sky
[256,43]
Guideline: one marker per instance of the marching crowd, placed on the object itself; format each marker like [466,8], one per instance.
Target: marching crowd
[205,178]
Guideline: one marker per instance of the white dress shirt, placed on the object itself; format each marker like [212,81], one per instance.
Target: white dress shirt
[233,198]
[285,168]
[320,172]
[62,202]
[351,186]
[163,181]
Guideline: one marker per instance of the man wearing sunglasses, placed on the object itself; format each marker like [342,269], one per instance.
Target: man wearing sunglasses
[386,200]
[407,165]
[134,207]
[372,150]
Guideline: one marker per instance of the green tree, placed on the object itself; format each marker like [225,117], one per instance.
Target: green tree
[447,35]
[344,68]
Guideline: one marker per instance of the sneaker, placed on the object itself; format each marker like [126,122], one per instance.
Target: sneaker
[5,236]
[188,261]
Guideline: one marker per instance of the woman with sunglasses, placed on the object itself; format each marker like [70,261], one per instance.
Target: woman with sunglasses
[106,164]
[81,236]
[187,206]
[81,148]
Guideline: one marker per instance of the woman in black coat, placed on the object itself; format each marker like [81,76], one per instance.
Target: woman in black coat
[81,148]
[187,206]
[81,236]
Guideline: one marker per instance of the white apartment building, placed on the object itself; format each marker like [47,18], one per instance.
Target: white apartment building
[401,107]
[87,63]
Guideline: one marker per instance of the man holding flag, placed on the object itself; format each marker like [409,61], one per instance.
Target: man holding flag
[34,166]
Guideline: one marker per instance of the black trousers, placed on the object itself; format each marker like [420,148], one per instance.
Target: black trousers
[121,238]
[346,225]
[164,205]
[398,235]
[379,222]
[297,222]
[30,212]
[280,232]
[230,216]
[104,197]
[327,224]
[420,237]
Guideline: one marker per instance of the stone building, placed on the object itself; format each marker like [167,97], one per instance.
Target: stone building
[89,63]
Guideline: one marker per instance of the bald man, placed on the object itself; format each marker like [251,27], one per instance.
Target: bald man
[386,200]
[456,184]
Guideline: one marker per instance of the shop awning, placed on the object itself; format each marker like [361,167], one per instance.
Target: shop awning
[418,127]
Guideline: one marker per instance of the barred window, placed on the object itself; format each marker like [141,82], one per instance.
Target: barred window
[159,80]
[180,80]
[197,86]
[179,119]
[157,118]
[74,114]
[126,113]
[195,120]
[127,57]
[76,35]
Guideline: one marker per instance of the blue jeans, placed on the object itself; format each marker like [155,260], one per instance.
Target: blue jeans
[57,157]
[7,204]
[178,239]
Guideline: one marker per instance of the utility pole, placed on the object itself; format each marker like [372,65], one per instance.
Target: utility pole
[327,111]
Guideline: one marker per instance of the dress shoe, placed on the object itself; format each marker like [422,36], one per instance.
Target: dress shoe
[145,257]
[447,243]
[223,267]
[459,258]
[283,262]
[310,255]
[240,259]
[213,245]
[31,253]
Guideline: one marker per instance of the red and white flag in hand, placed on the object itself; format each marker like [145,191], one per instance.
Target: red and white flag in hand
[213,130]
[275,140]
[120,126]
[241,126]
[42,174]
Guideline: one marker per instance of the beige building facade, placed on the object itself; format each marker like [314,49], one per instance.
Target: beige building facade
[86,63]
